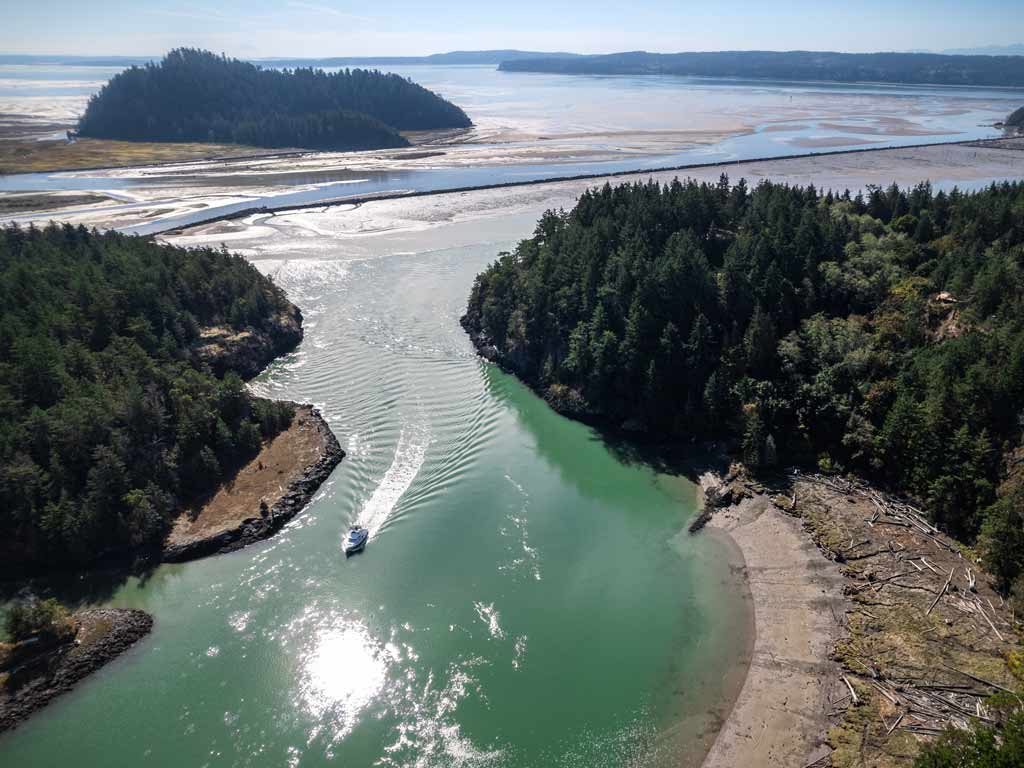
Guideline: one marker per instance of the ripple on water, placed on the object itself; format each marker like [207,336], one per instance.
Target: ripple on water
[427,734]
[347,675]
[527,558]
[491,618]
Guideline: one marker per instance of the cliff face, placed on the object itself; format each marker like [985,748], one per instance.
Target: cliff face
[250,351]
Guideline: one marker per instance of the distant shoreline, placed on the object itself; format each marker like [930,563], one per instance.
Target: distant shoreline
[975,71]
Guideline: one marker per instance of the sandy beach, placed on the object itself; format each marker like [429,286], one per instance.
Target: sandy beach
[780,717]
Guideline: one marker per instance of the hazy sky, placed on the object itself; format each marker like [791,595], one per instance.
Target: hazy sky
[255,28]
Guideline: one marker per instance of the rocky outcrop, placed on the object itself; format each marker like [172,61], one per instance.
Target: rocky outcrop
[719,492]
[563,400]
[261,526]
[249,351]
[35,680]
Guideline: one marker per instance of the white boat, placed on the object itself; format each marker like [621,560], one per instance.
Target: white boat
[356,540]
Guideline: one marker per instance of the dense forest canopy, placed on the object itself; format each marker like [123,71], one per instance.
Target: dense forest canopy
[925,68]
[194,95]
[881,333]
[107,422]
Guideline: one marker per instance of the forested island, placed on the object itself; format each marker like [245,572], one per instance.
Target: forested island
[116,408]
[196,96]
[1016,119]
[879,333]
[916,68]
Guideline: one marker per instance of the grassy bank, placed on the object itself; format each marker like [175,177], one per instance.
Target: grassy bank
[15,204]
[28,156]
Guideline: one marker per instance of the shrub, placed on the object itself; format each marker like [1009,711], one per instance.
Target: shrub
[40,617]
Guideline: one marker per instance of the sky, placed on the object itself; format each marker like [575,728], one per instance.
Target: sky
[321,28]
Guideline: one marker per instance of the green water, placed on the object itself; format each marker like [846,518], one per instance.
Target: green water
[526,598]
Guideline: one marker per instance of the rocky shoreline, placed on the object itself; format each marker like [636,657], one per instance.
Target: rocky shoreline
[248,352]
[103,635]
[259,527]
[565,402]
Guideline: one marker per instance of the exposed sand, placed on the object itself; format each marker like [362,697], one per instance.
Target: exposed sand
[781,715]
[966,165]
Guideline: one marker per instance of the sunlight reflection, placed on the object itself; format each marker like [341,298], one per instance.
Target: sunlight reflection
[342,675]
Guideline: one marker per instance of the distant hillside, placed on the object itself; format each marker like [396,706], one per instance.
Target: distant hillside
[453,57]
[1017,49]
[1016,120]
[194,95]
[73,61]
[921,68]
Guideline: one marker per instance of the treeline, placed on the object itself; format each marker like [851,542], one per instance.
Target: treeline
[193,95]
[924,68]
[1016,120]
[881,333]
[107,422]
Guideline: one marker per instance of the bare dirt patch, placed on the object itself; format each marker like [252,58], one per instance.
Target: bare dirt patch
[263,495]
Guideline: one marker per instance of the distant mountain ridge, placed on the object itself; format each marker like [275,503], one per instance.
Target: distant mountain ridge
[909,68]
[495,57]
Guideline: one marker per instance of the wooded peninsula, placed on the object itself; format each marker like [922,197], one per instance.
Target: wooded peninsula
[878,333]
[112,415]
[194,95]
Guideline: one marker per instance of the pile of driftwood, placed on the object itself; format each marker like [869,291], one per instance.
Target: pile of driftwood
[927,707]
[898,560]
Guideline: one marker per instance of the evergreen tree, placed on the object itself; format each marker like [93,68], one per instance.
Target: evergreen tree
[883,335]
[193,95]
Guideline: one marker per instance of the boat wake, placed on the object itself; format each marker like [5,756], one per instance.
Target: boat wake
[409,456]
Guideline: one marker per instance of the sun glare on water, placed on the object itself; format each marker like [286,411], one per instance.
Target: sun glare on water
[342,675]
